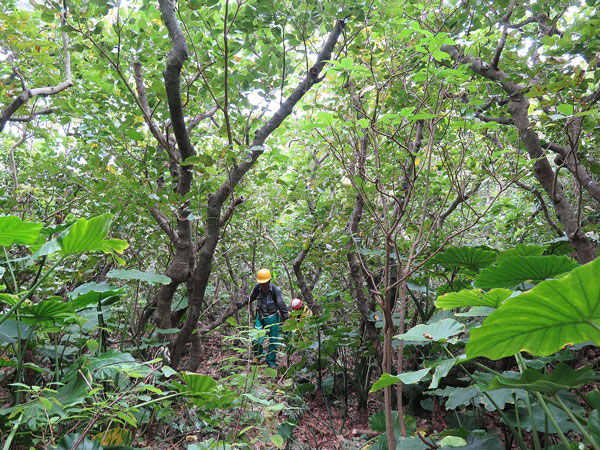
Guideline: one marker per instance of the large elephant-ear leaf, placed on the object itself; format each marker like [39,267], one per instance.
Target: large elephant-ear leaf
[14,231]
[46,311]
[473,297]
[88,235]
[472,258]
[552,315]
[563,377]
[519,269]
[521,250]
[437,331]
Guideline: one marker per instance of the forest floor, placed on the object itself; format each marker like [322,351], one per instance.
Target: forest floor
[323,424]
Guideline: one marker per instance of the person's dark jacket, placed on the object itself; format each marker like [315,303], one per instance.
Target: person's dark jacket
[268,303]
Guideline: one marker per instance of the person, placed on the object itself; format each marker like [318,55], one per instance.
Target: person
[298,305]
[271,312]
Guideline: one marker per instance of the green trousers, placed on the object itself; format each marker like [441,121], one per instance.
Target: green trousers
[271,325]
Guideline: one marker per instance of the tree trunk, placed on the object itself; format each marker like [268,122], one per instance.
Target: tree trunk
[518,109]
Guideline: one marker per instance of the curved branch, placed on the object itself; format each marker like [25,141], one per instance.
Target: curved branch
[224,218]
[543,207]
[502,41]
[22,98]
[572,163]
[164,224]
[460,198]
[172,76]
[33,115]
[200,117]
[500,120]
[145,106]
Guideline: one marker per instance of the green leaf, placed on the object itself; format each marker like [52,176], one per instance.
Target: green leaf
[46,311]
[519,269]
[452,441]
[199,384]
[69,440]
[594,398]
[442,368]
[127,418]
[277,441]
[437,331]
[194,159]
[92,345]
[46,403]
[9,299]
[458,396]
[565,109]
[14,231]
[407,443]
[90,293]
[363,123]
[540,419]
[326,118]
[407,378]
[72,393]
[255,399]
[116,245]
[109,363]
[466,257]
[440,56]
[473,297]
[541,321]
[9,331]
[377,422]
[138,275]
[168,371]
[594,423]
[563,377]
[47,248]
[133,134]
[521,250]
[88,235]
[5,362]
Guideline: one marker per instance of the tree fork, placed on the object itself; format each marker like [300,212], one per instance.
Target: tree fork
[172,74]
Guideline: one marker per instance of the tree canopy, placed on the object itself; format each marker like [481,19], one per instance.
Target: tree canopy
[424,175]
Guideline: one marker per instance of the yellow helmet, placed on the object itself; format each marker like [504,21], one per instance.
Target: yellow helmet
[263,276]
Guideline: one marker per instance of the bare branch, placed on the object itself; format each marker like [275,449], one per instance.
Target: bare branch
[569,158]
[543,207]
[22,98]
[524,22]
[225,217]
[500,120]
[33,115]
[172,76]
[460,198]
[200,117]
[164,224]
[502,41]
[145,107]
[13,164]
[592,98]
